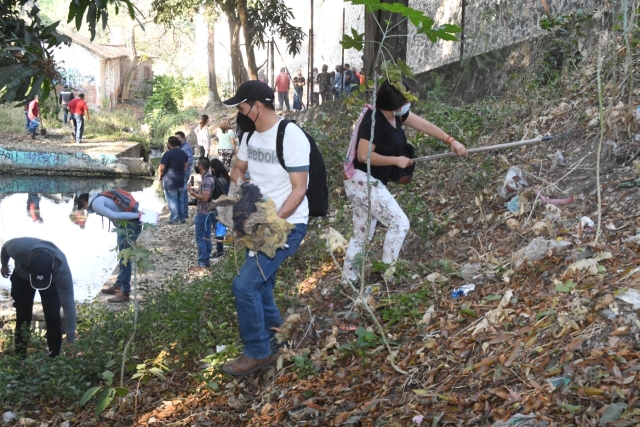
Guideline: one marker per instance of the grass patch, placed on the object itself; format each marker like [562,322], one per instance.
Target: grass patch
[165,125]
[183,321]
[12,120]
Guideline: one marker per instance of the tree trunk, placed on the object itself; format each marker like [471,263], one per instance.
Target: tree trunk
[396,45]
[251,59]
[214,97]
[134,62]
[236,55]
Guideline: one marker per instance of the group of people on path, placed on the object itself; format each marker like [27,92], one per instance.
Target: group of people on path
[327,86]
[73,110]
[253,286]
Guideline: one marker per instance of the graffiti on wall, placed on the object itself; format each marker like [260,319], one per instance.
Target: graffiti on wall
[43,159]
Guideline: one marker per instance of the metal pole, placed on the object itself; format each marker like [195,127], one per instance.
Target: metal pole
[308,66]
[342,71]
[487,148]
[311,39]
[273,69]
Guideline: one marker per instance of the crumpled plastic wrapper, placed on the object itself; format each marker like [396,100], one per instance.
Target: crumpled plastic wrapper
[255,220]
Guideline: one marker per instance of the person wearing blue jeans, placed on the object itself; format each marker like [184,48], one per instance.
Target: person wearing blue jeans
[254,285]
[128,233]
[175,203]
[129,228]
[256,307]
[188,150]
[173,167]
[203,220]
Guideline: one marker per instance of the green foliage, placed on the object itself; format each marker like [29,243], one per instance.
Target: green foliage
[268,18]
[163,108]
[175,319]
[405,306]
[166,125]
[12,119]
[166,97]
[303,365]
[366,341]
[422,22]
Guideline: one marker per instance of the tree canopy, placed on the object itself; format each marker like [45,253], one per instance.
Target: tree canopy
[27,67]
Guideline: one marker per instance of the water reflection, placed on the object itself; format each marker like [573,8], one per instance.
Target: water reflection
[50,215]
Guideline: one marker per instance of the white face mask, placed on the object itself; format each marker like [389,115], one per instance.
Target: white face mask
[404,110]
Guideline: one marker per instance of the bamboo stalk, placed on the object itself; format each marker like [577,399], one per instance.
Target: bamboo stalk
[487,148]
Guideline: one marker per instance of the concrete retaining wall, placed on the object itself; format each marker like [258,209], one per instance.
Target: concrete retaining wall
[74,163]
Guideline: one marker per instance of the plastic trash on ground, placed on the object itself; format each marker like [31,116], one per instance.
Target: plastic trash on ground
[536,250]
[463,290]
[513,182]
[586,222]
[7,417]
[631,296]
[513,205]
[477,273]
[558,161]
[518,420]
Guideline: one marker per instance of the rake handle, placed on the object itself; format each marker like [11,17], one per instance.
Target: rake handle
[487,148]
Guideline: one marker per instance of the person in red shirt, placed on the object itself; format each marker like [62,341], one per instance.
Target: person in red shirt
[33,114]
[77,107]
[282,87]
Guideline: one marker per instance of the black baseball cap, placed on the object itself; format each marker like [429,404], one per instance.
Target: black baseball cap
[41,270]
[251,90]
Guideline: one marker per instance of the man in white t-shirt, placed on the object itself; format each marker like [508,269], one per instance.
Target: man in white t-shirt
[256,307]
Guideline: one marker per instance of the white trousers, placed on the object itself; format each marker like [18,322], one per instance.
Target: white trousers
[384,209]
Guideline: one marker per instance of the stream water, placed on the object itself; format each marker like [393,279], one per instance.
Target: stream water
[42,207]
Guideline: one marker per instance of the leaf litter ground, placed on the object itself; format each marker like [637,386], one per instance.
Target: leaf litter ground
[546,341]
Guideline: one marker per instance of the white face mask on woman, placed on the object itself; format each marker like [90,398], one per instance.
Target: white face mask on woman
[404,110]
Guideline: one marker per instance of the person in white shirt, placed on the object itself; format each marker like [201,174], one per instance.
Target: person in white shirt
[253,287]
[202,133]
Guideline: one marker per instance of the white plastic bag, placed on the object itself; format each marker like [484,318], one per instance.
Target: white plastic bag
[513,182]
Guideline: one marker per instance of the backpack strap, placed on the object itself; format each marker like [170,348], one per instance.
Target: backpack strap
[280,142]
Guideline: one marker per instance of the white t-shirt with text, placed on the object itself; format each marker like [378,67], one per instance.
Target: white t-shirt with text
[267,172]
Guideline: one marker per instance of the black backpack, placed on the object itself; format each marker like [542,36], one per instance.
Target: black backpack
[218,188]
[317,189]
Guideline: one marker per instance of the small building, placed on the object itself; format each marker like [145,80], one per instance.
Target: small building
[99,71]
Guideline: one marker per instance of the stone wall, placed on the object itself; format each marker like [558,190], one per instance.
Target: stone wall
[489,25]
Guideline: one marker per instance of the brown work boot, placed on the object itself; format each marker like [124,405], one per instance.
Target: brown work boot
[112,290]
[120,297]
[244,365]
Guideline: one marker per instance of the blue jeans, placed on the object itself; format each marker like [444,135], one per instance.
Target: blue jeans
[26,115]
[185,199]
[33,125]
[176,206]
[79,126]
[256,307]
[125,240]
[204,224]
[65,114]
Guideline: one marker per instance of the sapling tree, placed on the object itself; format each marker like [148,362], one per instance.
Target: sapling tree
[141,262]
